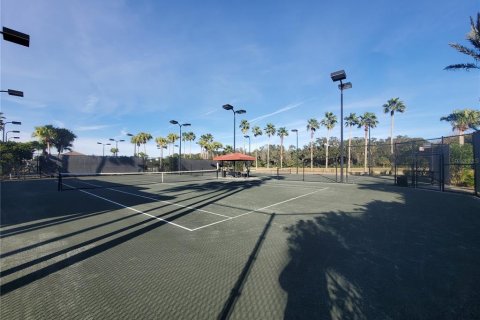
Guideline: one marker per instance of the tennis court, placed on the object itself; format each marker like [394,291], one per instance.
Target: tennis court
[259,248]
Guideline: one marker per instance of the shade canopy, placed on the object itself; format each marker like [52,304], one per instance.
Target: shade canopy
[234,157]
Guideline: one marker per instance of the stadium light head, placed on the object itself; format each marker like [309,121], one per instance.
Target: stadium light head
[338,75]
[111,139]
[16,37]
[294,130]
[16,122]
[129,134]
[15,93]
[241,111]
[14,131]
[246,136]
[186,124]
[227,107]
[345,86]
[99,143]
[121,140]
[173,122]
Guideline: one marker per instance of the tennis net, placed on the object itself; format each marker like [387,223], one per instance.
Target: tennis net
[75,181]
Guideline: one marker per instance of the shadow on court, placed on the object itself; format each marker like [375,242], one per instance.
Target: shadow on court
[387,260]
[70,207]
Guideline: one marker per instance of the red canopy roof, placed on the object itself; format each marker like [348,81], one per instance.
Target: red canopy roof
[234,157]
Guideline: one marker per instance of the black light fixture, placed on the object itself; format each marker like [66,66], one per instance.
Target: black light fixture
[15,37]
[180,138]
[339,76]
[116,144]
[248,137]
[103,147]
[4,125]
[12,92]
[235,112]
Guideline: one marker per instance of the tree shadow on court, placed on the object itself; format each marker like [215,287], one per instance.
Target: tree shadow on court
[386,260]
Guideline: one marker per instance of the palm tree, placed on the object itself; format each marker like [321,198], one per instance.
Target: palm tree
[46,135]
[257,131]
[172,138]
[270,131]
[350,121]
[215,146]
[189,136]
[63,139]
[282,132]
[474,38]
[244,126]
[392,105]
[143,138]
[205,142]
[462,120]
[328,122]
[312,125]
[367,121]
[114,151]
[227,149]
[161,143]
[136,144]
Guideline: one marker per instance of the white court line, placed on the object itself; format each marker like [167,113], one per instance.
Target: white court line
[132,209]
[168,202]
[252,211]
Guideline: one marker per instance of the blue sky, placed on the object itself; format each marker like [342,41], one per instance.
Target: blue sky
[104,68]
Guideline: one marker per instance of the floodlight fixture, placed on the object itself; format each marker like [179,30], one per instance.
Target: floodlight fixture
[15,37]
[338,75]
[180,125]
[16,122]
[14,138]
[241,111]
[12,92]
[227,107]
[345,86]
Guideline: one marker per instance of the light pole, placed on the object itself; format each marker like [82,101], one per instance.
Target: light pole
[339,76]
[15,37]
[369,123]
[296,131]
[4,125]
[134,145]
[116,145]
[248,137]
[103,146]
[235,112]
[180,148]
[14,131]
[12,92]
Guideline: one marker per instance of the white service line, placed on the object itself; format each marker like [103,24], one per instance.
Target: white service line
[170,203]
[252,211]
[132,209]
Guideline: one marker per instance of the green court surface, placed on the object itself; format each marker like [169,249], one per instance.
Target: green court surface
[238,249]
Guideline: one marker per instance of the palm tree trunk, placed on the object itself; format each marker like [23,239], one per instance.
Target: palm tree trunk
[281,153]
[391,135]
[268,154]
[365,156]
[461,138]
[326,152]
[349,147]
[311,153]
[190,149]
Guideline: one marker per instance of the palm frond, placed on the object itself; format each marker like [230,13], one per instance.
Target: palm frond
[465,66]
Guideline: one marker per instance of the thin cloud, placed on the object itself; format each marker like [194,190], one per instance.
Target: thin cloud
[92,128]
[288,107]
